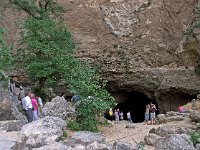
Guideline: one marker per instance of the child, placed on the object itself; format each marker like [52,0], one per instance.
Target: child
[121,115]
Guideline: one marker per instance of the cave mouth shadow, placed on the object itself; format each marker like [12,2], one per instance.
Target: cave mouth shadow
[135,102]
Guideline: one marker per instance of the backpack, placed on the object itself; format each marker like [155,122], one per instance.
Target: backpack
[110,113]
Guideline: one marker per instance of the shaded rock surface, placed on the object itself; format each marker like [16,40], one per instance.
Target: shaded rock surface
[59,107]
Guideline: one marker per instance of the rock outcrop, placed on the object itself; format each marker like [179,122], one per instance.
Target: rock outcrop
[43,131]
[59,107]
[135,43]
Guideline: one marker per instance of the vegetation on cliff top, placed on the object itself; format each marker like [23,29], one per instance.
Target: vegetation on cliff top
[47,56]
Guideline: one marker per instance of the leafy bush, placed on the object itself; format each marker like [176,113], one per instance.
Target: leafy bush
[74,126]
[195,137]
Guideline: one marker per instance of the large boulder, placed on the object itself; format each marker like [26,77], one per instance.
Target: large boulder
[169,129]
[85,138]
[59,107]
[43,131]
[10,125]
[175,142]
[11,141]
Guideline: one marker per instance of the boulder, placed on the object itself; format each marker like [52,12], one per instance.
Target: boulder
[118,145]
[54,146]
[175,142]
[84,138]
[97,146]
[166,130]
[59,107]
[43,131]
[195,116]
[197,146]
[151,139]
[10,125]
[11,141]
[130,126]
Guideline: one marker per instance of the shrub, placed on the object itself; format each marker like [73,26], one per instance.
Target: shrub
[195,137]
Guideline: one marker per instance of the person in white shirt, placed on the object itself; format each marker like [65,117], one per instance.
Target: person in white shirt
[27,107]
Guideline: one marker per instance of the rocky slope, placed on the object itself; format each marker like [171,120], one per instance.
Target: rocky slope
[135,43]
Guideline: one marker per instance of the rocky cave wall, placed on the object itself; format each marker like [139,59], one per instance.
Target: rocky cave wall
[135,43]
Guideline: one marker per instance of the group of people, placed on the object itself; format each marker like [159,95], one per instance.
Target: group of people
[32,106]
[150,113]
[118,115]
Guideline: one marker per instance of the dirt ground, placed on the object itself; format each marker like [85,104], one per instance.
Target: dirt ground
[118,131]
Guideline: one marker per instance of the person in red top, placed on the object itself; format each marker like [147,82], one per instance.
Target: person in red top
[35,107]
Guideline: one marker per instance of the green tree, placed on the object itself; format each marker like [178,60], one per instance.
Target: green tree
[5,52]
[47,56]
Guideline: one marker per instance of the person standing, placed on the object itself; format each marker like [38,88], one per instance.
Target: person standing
[146,115]
[116,115]
[40,105]
[152,113]
[129,117]
[27,107]
[35,107]
[121,115]
[110,113]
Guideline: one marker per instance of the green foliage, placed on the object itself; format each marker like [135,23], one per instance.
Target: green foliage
[74,126]
[47,55]
[195,137]
[65,134]
[5,52]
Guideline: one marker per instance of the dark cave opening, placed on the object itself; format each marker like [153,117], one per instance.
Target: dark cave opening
[135,102]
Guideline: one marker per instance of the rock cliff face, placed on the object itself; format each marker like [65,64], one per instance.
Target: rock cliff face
[136,43]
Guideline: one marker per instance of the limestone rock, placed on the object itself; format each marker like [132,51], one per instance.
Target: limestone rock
[167,130]
[11,141]
[175,142]
[54,146]
[131,126]
[197,146]
[118,145]
[85,138]
[195,116]
[59,107]
[10,125]
[151,139]
[43,131]
[97,146]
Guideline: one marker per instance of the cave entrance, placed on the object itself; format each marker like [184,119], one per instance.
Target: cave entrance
[135,102]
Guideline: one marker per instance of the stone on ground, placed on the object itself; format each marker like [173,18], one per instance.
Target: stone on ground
[151,139]
[85,138]
[175,142]
[118,145]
